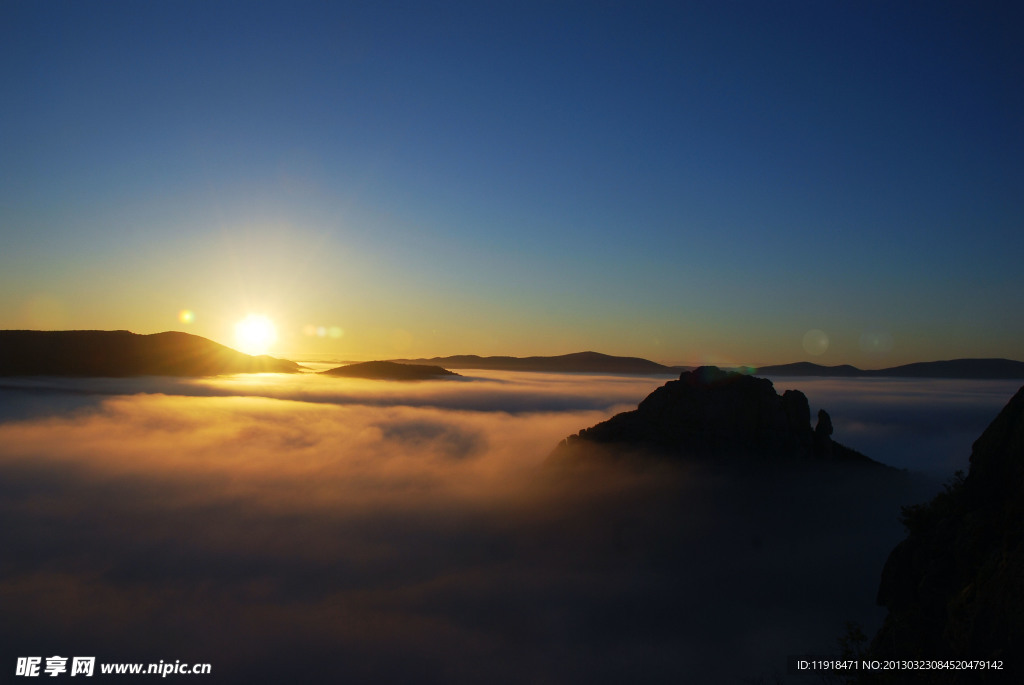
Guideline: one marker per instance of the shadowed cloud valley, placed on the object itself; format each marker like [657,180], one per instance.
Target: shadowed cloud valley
[276,525]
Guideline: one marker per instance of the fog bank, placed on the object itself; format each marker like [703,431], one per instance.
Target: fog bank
[291,528]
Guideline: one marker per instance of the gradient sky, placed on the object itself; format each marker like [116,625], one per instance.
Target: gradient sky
[736,182]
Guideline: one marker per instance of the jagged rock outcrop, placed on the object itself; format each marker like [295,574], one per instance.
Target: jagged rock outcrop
[710,413]
[955,586]
[122,353]
[823,435]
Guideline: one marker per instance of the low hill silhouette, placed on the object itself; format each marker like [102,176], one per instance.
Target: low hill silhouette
[954,587]
[812,369]
[393,371]
[122,353]
[954,368]
[577,362]
[710,414]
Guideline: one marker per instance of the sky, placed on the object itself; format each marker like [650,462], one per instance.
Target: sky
[728,182]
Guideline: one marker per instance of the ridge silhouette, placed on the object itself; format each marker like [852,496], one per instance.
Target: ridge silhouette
[953,368]
[393,371]
[576,362]
[122,354]
[596,362]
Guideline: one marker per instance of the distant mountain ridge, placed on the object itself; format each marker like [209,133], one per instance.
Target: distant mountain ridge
[123,354]
[596,362]
[391,371]
[577,362]
[954,368]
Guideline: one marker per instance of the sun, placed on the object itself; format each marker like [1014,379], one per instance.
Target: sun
[255,334]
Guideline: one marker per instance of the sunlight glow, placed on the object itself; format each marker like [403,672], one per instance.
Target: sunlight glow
[255,334]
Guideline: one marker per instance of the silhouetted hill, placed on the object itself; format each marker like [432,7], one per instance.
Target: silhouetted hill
[959,368]
[811,369]
[954,587]
[711,414]
[955,368]
[578,362]
[121,353]
[392,371]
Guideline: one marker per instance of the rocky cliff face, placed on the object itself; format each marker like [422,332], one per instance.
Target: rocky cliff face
[709,413]
[955,586]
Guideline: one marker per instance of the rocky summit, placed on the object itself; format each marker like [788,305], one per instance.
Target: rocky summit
[710,413]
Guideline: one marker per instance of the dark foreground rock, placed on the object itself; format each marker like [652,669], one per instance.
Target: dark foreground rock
[954,587]
[122,353]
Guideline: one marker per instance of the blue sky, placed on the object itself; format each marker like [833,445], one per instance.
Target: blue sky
[681,181]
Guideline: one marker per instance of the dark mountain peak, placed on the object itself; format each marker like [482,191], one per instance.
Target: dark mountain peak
[122,353]
[711,413]
[710,376]
[591,356]
[955,586]
[392,371]
[997,457]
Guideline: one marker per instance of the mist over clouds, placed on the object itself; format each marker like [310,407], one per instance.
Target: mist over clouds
[480,391]
[923,425]
[283,528]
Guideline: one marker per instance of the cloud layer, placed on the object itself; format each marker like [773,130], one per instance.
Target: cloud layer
[288,528]
[924,425]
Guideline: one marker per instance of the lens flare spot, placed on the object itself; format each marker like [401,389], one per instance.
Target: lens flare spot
[186,316]
[815,342]
[314,331]
[255,334]
[877,342]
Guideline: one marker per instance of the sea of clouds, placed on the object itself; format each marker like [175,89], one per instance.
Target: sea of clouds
[924,425]
[306,528]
